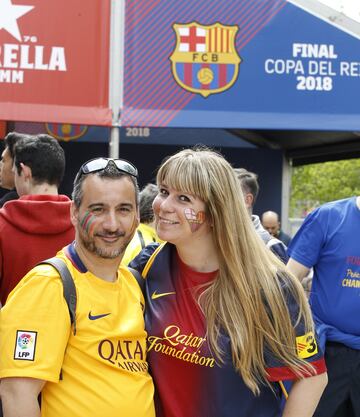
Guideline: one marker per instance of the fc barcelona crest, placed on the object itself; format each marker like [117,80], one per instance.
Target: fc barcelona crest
[205,60]
[65,131]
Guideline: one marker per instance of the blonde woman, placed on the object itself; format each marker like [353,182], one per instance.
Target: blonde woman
[226,322]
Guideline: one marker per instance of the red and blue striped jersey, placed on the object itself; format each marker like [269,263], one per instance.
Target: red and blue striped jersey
[189,380]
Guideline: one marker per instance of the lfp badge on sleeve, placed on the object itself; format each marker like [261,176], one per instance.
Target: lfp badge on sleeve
[25,345]
[205,60]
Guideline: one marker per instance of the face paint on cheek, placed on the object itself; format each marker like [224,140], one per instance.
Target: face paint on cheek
[195,219]
[87,222]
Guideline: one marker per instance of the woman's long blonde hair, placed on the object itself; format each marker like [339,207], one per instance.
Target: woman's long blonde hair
[247,298]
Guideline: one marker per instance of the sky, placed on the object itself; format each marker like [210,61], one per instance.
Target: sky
[350,8]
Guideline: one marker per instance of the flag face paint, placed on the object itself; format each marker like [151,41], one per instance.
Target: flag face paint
[195,219]
[87,222]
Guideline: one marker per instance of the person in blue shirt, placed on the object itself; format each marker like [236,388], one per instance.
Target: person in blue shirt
[328,241]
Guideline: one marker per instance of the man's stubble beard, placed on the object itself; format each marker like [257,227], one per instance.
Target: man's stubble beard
[90,245]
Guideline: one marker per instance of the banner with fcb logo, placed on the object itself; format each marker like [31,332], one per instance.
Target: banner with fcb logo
[205,60]
[265,64]
[54,61]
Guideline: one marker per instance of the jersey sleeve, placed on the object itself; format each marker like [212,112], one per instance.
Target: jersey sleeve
[307,347]
[306,244]
[141,260]
[34,327]
[279,249]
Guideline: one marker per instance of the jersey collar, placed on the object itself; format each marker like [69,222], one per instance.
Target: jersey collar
[73,256]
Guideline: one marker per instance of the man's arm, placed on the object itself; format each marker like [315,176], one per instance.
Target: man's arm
[19,396]
[304,396]
[298,269]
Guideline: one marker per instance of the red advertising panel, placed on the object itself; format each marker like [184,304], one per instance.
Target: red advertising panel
[54,61]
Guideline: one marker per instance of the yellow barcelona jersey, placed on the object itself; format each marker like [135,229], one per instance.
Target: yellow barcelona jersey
[101,371]
[143,236]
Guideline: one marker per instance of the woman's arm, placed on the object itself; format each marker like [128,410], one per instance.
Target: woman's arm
[304,396]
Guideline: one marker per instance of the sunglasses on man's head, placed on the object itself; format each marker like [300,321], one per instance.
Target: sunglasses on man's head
[99,164]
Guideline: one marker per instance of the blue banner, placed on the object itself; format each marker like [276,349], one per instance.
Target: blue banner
[258,64]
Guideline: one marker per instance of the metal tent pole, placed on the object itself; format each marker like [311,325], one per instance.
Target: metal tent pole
[116,72]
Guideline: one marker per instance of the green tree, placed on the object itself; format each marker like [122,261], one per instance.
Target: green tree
[316,184]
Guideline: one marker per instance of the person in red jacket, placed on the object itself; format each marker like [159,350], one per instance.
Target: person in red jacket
[37,225]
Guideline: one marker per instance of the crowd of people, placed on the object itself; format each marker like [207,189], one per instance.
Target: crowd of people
[186,305]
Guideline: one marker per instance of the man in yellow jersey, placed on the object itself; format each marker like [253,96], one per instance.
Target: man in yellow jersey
[100,370]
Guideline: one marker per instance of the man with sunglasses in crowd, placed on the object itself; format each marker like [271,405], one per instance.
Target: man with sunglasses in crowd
[99,370]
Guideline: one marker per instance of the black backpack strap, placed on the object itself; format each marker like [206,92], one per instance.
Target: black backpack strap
[140,280]
[141,238]
[68,286]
